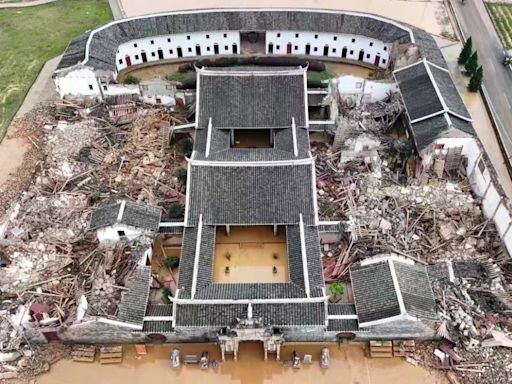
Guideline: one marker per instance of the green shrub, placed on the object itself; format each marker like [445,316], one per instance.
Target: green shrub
[172,262]
[186,146]
[130,79]
[176,211]
[337,289]
[166,293]
[181,174]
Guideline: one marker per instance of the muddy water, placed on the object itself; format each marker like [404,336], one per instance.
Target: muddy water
[424,14]
[348,366]
[11,156]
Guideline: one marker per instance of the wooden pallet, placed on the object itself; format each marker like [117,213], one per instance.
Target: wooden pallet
[84,353]
[111,355]
[403,348]
[381,348]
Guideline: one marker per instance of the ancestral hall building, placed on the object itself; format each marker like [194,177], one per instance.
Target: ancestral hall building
[250,266]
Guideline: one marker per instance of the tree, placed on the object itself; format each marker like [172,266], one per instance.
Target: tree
[186,145]
[172,262]
[337,289]
[466,51]
[176,211]
[472,64]
[181,175]
[475,83]
[130,79]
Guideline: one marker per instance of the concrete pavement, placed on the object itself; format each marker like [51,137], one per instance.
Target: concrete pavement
[475,22]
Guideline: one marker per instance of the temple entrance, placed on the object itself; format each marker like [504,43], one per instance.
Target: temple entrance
[250,330]
[252,43]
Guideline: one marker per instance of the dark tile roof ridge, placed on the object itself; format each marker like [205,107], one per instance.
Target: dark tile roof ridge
[299,71]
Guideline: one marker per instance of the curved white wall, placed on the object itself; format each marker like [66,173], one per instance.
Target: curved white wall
[169,47]
[353,47]
[328,45]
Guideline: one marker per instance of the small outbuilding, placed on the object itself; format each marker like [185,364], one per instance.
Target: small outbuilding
[125,221]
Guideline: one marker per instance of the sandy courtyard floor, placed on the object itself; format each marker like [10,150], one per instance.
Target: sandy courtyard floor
[348,366]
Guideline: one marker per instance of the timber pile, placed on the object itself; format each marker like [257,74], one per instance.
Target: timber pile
[53,262]
[111,354]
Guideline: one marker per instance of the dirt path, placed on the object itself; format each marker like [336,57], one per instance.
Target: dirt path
[348,365]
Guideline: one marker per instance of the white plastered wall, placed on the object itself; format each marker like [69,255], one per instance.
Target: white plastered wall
[169,45]
[78,82]
[483,184]
[111,233]
[334,43]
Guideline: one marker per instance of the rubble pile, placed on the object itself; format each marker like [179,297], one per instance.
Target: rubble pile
[53,263]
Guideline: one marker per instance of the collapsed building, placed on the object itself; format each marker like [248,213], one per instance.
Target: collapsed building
[263,234]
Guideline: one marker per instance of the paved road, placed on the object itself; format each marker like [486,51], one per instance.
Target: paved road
[475,22]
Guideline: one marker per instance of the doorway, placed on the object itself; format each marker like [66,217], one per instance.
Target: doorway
[270,48]
[326,50]
[344,52]
[235,49]
[198,50]
[308,49]
[144,57]
[128,61]
[361,55]
[160,54]
[377,60]
[216,49]
[289,49]
[179,51]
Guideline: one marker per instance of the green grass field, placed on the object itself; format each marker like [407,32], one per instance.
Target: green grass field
[501,15]
[31,36]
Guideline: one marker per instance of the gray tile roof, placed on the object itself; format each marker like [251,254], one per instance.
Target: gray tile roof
[425,132]
[341,309]
[416,291]
[159,310]
[449,91]
[418,91]
[104,216]
[339,227]
[223,315]
[75,51]
[343,325]
[428,47]
[132,307]
[251,195]
[157,327]
[105,42]
[206,289]
[418,85]
[220,149]
[135,215]
[264,99]
[374,293]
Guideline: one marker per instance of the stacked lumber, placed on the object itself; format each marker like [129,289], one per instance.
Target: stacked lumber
[84,353]
[111,355]
[380,348]
[402,348]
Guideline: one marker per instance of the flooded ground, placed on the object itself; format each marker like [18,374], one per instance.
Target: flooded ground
[349,365]
[429,15]
[250,255]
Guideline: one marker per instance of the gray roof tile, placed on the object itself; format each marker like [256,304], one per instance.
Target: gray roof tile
[135,215]
[132,307]
[105,42]
[251,195]
[267,99]
[374,293]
